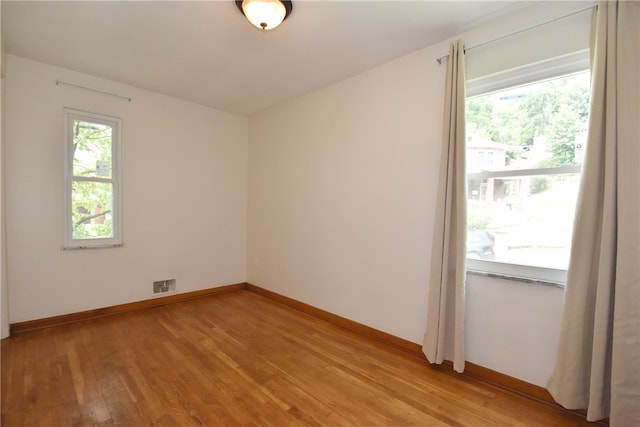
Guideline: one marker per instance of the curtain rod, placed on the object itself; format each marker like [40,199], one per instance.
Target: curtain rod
[60,82]
[531,27]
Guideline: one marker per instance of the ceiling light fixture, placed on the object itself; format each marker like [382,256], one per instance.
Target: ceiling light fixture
[265,14]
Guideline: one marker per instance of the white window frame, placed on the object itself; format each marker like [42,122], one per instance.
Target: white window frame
[116,124]
[545,70]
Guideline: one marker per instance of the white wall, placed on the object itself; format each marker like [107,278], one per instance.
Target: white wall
[184,195]
[4,294]
[4,299]
[342,184]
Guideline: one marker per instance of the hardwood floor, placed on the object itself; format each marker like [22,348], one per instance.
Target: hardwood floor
[239,359]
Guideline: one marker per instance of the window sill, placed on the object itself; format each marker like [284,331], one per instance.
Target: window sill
[518,272]
[517,278]
[103,246]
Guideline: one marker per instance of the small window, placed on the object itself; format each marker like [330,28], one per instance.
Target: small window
[92,180]
[521,199]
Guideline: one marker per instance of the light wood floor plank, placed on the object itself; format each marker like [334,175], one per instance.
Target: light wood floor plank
[239,359]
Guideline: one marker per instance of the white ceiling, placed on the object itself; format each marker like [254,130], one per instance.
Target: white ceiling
[206,52]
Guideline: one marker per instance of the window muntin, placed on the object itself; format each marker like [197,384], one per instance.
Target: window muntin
[92,184]
[521,202]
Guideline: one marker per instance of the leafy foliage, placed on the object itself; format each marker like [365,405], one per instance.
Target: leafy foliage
[556,111]
[92,193]
[477,220]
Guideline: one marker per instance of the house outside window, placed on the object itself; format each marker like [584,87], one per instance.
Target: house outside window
[92,180]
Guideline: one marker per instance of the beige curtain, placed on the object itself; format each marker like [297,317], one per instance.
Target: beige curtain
[598,364]
[444,337]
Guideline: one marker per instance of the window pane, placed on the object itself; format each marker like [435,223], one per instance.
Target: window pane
[92,149]
[543,124]
[91,207]
[522,220]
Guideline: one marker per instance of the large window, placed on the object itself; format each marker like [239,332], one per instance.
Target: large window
[92,182]
[524,153]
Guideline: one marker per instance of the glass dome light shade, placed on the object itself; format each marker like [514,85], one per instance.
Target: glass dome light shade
[264,14]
